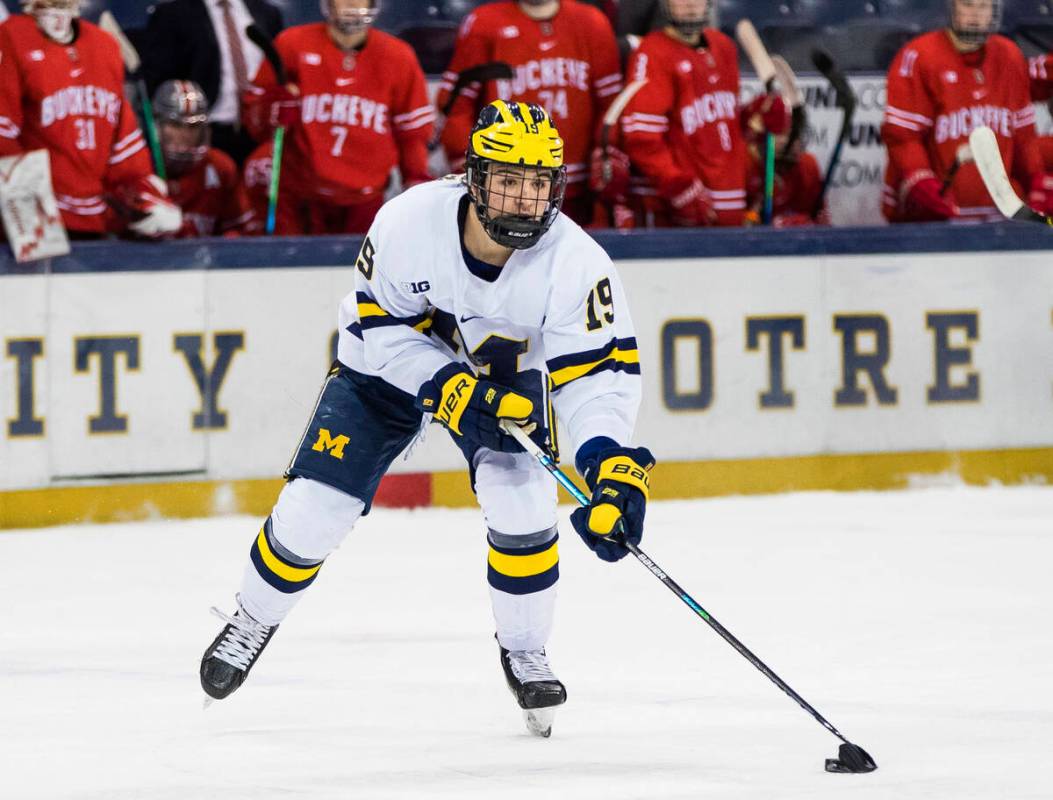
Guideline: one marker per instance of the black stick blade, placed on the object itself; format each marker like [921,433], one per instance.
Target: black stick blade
[851,758]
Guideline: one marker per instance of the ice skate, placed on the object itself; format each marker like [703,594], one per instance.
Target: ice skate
[227,661]
[536,688]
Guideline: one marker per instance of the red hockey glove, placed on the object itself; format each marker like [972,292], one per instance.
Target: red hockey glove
[609,174]
[766,113]
[276,106]
[1040,197]
[689,201]
[145,209]
[924,203]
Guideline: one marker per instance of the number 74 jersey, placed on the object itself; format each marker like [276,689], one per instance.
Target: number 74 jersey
[552,323]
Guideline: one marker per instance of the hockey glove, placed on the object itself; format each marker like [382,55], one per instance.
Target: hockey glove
[925,201]
[609,174]
[1040,197]
[277,106]
[472,409]
[620,481]
[689,203]
[143,207]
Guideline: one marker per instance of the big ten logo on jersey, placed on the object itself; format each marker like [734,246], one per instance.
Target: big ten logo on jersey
[344,111]
[549,78]
[416,287]
[707,109]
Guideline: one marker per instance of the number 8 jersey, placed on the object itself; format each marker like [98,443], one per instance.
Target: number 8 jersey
[553,322]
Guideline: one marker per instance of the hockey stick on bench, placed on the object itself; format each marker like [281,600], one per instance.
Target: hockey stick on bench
[851,757]
[988,159]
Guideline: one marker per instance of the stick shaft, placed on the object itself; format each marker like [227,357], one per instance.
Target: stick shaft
[546,461]
[276,171]
[769,179]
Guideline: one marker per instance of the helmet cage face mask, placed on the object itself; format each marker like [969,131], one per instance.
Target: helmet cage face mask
[183,144]
[349,21]
[501,193]
[974,35]
[689,27]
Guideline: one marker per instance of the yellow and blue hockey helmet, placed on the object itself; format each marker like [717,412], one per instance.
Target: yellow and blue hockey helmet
[518,142]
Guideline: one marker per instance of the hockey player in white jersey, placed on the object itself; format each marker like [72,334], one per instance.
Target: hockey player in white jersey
[475,301]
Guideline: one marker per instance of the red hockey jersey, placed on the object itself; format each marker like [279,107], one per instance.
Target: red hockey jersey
[936,98]
[683,124]
[363,113]
[568,64]
[256,178]
[69,100]
[213,199]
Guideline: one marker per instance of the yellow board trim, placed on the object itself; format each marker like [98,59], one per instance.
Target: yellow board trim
[124,502]
[279,568]
[567,374]
[524,566]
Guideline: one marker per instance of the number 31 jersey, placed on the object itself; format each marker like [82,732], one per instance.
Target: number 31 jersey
[552,323]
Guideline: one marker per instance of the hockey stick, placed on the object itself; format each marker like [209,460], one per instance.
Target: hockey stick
[989,162]
[846,101]
[480,73]
[791,91]
[765,69]
[132,65]
[851,757]
[610,120]
[262,41]
[963,156]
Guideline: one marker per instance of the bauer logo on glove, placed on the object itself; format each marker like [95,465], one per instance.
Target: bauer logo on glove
[473,409]
[621,482]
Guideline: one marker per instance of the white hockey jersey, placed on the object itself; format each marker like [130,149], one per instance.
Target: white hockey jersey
[553,323]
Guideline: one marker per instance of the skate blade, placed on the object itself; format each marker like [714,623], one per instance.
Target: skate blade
[539,720]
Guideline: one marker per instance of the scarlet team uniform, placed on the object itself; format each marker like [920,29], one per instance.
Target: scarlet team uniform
[936,97]
[683,124]
[69,99]
[568,64]
[363,113]
[795,190]
[213,199]
[256,178]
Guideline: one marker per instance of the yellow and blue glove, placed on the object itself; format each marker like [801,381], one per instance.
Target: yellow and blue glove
[620,479]
[473,408]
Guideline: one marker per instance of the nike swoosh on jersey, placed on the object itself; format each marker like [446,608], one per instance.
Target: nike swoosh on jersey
[344,81]
[547,45]
[467,319]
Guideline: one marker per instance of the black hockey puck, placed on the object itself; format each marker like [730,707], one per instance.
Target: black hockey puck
[851,758]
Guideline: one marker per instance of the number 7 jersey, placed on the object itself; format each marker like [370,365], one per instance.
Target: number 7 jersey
[552,323]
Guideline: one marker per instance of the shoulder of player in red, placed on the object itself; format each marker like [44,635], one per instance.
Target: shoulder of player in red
[224,166]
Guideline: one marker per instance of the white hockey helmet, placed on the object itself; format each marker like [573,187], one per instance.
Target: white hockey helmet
[54,17]
[974,20]
[350,17]
[689,17]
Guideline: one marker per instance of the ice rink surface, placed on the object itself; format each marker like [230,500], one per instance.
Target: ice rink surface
[917,622]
